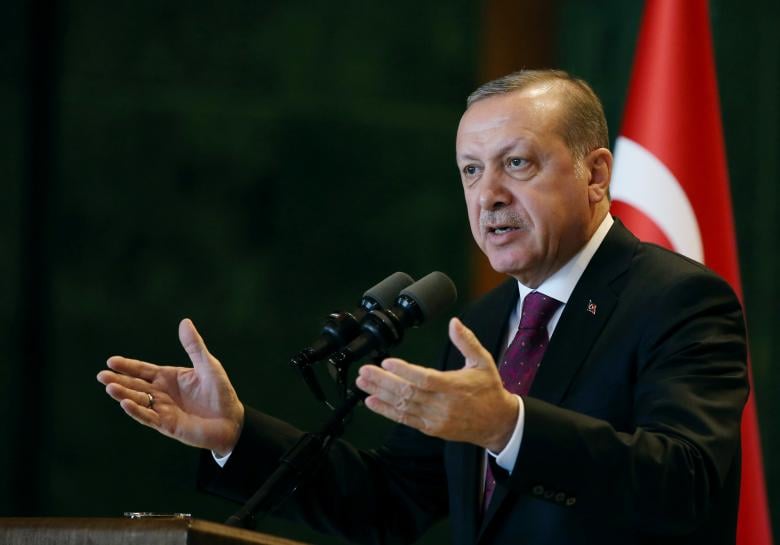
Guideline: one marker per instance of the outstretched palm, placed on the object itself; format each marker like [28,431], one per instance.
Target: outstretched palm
[196,405]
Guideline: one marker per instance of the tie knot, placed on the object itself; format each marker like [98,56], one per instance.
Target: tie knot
[537,310]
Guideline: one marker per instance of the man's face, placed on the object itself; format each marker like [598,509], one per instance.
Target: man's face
[527,202]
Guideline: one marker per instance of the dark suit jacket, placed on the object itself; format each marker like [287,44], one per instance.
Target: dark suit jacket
[631,426]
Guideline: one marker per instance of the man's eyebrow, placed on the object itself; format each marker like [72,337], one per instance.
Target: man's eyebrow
[502,151]
[467,157]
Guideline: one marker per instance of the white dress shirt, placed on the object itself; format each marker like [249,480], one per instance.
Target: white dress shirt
[558,286]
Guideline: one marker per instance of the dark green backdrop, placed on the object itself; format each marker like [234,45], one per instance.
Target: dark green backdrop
[255,165]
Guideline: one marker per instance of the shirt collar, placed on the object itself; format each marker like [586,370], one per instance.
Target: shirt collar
[560,284]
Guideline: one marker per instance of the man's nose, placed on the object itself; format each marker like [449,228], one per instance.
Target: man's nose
[493,191]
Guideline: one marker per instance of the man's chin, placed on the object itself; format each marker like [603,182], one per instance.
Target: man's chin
[509,266]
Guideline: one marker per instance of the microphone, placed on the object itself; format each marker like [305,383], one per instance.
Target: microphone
[382,329]
[341,327]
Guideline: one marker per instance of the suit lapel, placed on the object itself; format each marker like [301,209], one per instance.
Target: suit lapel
[499,494]
[489,325]
[464,483]
[588,310]
[577,330]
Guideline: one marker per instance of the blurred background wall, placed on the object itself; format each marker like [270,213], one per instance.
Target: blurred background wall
[256,165]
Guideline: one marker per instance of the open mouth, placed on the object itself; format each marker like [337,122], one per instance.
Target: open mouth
[501,230]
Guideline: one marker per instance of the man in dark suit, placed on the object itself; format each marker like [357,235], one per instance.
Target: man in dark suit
[613,416]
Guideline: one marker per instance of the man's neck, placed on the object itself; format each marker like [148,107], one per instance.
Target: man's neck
[560,284]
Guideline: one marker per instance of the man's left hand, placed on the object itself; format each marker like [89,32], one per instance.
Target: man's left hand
[468,405]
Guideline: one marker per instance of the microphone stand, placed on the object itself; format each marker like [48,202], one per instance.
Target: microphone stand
[423,298]
[296,464]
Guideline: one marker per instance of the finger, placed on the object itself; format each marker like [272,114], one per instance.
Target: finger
[366,385]
[390,387]
[421,377]
[134,368]
[109,377]
[381,379]
[402,417]
[467,343]
[106,377]
[408,399]
[193,343]
[140,414]
[120,393]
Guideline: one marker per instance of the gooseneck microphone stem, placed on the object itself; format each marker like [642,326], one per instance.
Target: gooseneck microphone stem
[296,465]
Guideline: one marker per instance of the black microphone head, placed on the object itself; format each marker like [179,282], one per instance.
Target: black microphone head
[432,293]
[384,293]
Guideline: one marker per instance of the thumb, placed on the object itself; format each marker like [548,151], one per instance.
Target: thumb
[467,343]
[193,344]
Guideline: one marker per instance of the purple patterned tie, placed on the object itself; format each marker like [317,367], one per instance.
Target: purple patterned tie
[523,357]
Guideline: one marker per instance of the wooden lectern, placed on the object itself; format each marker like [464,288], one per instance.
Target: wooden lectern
[126,531]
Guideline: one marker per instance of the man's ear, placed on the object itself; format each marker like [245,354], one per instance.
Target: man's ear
[599,165]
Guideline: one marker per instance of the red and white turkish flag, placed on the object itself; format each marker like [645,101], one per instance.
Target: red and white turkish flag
[670,182]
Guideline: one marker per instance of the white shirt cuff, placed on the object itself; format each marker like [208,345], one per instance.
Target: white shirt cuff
[221,461]
[506,458]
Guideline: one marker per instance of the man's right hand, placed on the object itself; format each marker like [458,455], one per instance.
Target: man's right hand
[195,405]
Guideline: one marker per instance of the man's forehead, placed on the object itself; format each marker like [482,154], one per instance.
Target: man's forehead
[536,108]
[481,123]
[544,98]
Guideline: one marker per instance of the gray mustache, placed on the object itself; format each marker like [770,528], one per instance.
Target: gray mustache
[503,217]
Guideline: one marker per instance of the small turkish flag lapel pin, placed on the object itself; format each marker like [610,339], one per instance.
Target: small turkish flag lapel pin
[591,307]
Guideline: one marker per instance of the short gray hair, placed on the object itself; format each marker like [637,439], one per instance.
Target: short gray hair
[583,126]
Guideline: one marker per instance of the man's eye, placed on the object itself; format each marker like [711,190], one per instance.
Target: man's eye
[469,170]
[516,162]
